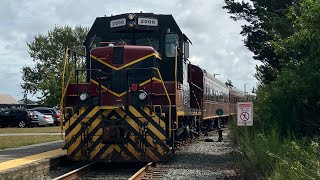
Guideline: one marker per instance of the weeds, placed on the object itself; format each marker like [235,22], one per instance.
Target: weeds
[273,157]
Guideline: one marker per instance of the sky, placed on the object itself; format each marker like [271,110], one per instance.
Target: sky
[217,45]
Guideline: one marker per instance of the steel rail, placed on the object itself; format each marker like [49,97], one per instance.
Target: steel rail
[142,172]
[75,173]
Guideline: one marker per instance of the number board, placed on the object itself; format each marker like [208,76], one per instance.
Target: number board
[147,21]
[118,22]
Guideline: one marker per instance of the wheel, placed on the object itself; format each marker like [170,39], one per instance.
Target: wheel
[22,124]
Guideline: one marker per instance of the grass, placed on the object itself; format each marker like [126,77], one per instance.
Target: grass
[271,156]
[17,141]
[53,129]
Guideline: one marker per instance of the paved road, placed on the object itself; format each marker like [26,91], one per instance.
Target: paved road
[13,153]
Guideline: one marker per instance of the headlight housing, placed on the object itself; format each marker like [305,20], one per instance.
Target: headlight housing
[142,95]
[84,96]
[131,24]
[131,16]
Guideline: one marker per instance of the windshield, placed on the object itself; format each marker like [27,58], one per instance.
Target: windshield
[137,38]
[37,113]
[154,42]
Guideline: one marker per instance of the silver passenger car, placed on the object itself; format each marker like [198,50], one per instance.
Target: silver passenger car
[44,120]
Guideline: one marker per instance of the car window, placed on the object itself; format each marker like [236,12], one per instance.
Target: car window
[19,112]
[5,113]
[37,113]
[14,111]
[44,111]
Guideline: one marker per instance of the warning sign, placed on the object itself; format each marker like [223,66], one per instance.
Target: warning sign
[244,113]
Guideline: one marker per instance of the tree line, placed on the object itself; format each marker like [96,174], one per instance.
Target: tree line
[284,36]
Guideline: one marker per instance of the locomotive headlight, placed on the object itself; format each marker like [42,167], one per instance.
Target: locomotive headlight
[131,16]
[142,95]
[84,96]
[131,24]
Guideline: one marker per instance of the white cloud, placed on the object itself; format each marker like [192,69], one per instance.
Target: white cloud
[217,44]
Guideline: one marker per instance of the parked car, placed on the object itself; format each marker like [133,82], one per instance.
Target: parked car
[34,117]
[49,111]
[15,117]
[44,120]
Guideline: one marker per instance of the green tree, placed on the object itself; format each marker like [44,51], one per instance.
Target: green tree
[287,108]
[47,52]
[266,21]
[301,75]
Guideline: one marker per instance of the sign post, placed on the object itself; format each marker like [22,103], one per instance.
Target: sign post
[219,112]
[244,114]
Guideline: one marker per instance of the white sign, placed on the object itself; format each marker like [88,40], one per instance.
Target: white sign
[147,21]
[245,114]
[118,22]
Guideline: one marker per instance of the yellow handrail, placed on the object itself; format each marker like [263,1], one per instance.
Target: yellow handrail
[176,86]
[168,97]
[63,91]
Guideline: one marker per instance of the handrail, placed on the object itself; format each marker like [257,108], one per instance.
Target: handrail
[168,97]
[63,91]
[64,87]
[176,85]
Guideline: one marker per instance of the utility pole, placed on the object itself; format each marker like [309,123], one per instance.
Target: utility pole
[25,99]
[245,91]
[244,88]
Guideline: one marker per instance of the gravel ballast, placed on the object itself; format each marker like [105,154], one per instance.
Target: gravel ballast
[205,160]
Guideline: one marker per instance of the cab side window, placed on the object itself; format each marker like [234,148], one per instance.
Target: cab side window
[172,41]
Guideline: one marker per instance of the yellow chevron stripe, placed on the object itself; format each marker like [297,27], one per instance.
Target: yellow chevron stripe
[96,149]
[126,65]
[78,127]
[154,117]
[73,118]
[150,126]
[96,136]
[108,151]
[133,150]
[119,95]
[138,129]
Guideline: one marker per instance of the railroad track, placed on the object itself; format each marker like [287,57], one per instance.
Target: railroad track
[75,173]
[108,171]
[150,171]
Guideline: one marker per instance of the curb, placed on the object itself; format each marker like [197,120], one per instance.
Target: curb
[32,170]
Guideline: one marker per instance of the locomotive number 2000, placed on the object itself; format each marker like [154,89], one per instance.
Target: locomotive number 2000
[147,21]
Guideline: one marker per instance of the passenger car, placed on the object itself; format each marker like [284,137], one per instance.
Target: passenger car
[43,119]
[15,117]
[49,111]
[34,117]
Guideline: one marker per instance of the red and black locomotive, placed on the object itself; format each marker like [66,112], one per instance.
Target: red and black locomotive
[137,94]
